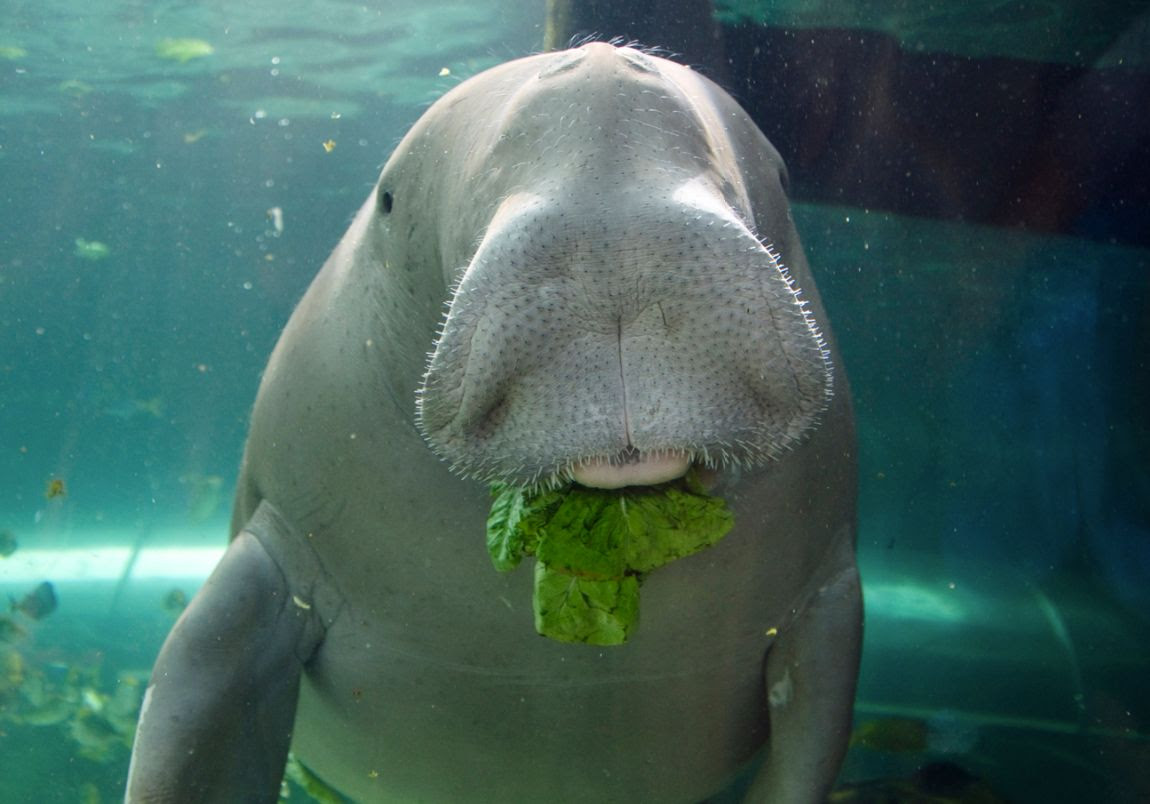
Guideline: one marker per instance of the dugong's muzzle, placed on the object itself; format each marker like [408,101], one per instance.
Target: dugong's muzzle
[660,334]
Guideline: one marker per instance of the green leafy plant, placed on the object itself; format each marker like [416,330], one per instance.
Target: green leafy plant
[594,546]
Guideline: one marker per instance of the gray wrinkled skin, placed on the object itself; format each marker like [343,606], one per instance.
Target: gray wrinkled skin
[606,232]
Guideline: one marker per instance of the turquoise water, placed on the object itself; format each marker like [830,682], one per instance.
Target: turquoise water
[162,216]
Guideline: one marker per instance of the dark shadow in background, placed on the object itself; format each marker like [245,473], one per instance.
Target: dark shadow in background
[863,122]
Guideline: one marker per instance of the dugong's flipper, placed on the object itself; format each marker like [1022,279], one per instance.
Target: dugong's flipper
[217,716]
[810,675]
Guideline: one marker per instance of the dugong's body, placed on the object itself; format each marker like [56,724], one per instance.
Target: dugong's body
[610,230]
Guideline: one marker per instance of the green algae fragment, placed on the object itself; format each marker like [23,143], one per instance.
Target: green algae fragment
[91,249]
[183,50]
[12,52]
[594,546]
[75,88]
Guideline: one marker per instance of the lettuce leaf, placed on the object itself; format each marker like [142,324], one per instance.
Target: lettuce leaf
[573,609]
[594,546]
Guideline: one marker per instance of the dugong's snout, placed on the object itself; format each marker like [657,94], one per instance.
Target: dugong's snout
[616,349]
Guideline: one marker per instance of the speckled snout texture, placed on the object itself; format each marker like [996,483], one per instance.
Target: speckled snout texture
[591,328]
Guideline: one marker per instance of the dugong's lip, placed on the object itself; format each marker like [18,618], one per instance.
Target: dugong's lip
[647,470]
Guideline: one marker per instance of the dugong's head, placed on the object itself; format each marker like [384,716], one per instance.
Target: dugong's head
[624,306]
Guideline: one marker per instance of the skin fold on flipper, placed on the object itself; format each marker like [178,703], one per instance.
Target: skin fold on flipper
[217,716]
[810,677]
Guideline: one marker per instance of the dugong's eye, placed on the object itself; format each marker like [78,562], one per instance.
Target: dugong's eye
[385,202]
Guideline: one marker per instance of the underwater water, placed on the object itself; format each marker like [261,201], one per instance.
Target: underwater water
[173,175]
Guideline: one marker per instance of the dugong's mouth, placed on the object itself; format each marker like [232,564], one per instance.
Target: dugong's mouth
[631,467]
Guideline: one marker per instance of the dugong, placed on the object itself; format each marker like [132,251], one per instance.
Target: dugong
[577,266]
